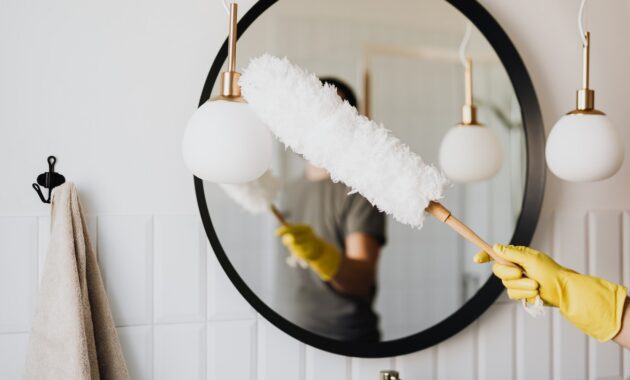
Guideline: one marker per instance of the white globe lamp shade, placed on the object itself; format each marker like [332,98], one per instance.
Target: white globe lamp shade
[225,142]
[470,153]
[584,147]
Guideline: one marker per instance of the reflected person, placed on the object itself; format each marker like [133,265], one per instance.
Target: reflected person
[340,238]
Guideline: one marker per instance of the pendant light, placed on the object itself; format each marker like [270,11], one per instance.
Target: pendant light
[470,152]
[584,145]
[224,141]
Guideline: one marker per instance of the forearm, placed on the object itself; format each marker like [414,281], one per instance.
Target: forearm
[623,337]
[355,277]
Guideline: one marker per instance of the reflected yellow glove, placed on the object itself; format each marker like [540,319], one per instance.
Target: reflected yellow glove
[321,256]
[592,304]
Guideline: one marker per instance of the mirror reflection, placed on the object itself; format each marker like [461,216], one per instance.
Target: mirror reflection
[340,268]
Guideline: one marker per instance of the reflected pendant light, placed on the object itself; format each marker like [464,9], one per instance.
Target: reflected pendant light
[470,152]
[224,141]
[584,145]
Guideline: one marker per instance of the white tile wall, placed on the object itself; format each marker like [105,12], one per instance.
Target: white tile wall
[137,344]
[181,318]
[18,272]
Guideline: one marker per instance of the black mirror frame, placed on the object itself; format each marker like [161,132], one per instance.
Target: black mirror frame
[525,226]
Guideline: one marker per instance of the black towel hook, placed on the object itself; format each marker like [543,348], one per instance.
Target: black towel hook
[49,180]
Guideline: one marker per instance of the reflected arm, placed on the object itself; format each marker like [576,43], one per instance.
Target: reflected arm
[357,272]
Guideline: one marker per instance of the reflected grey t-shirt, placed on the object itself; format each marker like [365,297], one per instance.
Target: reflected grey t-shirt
[303,297]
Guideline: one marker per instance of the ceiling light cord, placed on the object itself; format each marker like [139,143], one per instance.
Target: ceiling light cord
[581,22]
[464,44]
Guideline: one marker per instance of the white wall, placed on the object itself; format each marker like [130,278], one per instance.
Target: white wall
[108,87]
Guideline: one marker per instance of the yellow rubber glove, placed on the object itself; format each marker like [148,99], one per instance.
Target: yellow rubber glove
[592,304]
[321,256]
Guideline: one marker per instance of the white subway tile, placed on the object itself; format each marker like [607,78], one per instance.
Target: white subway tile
[418,365]
[496,342]
[13,348]
[324,365]
[180,269]
[137,345]
[370,368]
[457,357]
[125,255]
[280,357]
[18,272]
[605,260]
[180,351]
[224,301]
[232,350]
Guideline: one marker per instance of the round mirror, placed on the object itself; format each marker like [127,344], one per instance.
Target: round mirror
[402,63]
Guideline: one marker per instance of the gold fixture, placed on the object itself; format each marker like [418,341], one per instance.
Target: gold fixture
[229,88]
[585,97]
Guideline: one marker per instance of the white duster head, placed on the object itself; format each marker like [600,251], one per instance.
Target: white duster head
[255,196]
[311,119]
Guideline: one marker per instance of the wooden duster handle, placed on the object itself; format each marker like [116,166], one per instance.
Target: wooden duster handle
[442,214]
[278,215]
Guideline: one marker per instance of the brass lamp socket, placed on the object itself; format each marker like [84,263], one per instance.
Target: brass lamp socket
[230,90]
[585,97]
[469,115]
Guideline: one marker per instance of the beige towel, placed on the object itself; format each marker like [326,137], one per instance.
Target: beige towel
[73,334]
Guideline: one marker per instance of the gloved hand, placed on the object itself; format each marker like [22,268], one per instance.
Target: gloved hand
[592,304]
[322,257]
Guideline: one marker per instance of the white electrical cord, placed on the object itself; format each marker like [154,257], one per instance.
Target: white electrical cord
[464,44]
[581,22]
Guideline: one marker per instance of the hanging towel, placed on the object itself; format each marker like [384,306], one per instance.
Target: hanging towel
[73,334]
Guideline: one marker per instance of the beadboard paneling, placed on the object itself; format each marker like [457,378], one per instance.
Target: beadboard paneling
[496,329]
[418,365]
[604,260]
[462,350]
[570,345]
[534,335]
[366,368]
